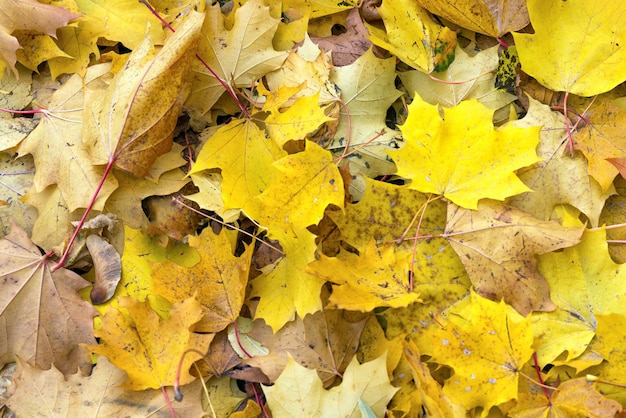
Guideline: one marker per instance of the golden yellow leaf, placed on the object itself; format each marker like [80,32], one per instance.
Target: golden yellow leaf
[417,48]
[245,156]
[377,278]
[239,55]
[585,283]
[490,17]
[497,244]
[149,348]
[578,46]
[218,280]
[609,342]
[460,155]
[299,392]
[486,343]
[40,48]
[130,122]
[285,287]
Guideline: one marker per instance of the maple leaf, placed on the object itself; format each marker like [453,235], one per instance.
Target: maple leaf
[486,343]
[489,17]
[60,156]
[299,392]
[304,185]
[149,348]
[245,156]
[285,287]
[122,124]
[27,15]
[587,283]
[434,45]
[43,318]
[574,398]
[324,341]
[577,46]
[238,55]
[559,178]
[475,71]
[376,278]
[497,245]
[367,90]
[219,280]
[41,393]
[609,343]
[602,140]
[460,153]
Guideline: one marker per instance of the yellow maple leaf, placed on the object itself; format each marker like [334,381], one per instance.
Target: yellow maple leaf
[577,47]
[299,392]
[585,283]
[609,342]
[460,155]
[245,156]
[376,278]
[219,280]
[149,348]
[239,55]
[559,178]
[421,48]
[486,343]
[285,287]
[489,17]
[304,185]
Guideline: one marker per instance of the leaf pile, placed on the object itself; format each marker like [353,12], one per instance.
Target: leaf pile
[312,208]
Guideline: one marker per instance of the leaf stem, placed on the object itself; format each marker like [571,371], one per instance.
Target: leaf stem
[168,401]
[538,371]
[80,224]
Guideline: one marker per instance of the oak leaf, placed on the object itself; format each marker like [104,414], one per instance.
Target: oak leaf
[27,15]
[462,152]
[239,55]
[486,343]
[497,244]
[559,178]
[130,122]
[489,17]
[426,49]
[577,46]
[42,317]
[218,280]
[299,392]
[149,348]
[42,393]
[376,278]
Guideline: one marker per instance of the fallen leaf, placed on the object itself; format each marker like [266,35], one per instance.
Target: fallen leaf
[42,317]
[348,46]
[239,55]
[376,278]
[149,348]
[299,392]
[41,393]
[218,280]
[417,48]
[130,122]
[497,245]
[577,46]
[490,17]
[107,266]
[486,343]
[559,178]
[462,152]
[27,15]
